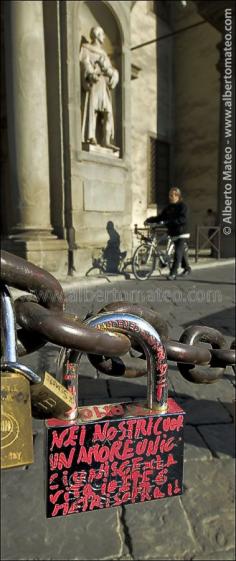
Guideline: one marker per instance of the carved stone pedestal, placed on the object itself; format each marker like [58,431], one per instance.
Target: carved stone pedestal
[46,252]
[101,150]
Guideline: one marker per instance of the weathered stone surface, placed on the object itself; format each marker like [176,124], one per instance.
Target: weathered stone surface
[223,555]
[231,407]
[217,556]
[43,359]
[194,446]
[103,401]
[198,525]
[209,503]
[127,389]
[159,527]
[143,24]
[221,389]
[89,387]
[220,439]
[104,202]
[86,369]
[73,537]
[204,411]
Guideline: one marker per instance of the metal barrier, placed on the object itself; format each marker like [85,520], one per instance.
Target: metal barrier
[208,233]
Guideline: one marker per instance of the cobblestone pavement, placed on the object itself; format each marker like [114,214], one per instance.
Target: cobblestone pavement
[198,525]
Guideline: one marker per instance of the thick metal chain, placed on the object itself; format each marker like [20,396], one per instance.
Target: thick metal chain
[43,314]
[196,362]
[42,318]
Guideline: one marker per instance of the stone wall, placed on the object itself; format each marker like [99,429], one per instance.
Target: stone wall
[197,91]
[175,97]
[99,181]
[151,100]
[143,105]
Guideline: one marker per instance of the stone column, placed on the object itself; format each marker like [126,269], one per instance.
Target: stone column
[27,117]
[29,215]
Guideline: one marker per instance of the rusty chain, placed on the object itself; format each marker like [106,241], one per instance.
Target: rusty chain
[42,318]
[196,363]
[43,313]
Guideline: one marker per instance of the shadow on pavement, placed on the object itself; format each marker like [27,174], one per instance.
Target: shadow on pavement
[212,282]
[209,423]
[189,280]
[223,320]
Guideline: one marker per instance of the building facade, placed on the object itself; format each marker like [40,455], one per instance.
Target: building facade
[57,191]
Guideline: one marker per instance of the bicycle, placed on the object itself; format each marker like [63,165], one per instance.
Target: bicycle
[148,255]
[99,266]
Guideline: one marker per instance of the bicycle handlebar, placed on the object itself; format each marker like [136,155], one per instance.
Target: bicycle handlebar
[155,224]
[152,226]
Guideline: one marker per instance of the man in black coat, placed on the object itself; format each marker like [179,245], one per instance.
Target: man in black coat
[175,217]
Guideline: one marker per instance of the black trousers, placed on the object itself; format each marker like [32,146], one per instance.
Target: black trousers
[180,256]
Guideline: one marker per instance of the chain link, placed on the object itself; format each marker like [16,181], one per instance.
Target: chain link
[43,313]
[42,318]
[196,363]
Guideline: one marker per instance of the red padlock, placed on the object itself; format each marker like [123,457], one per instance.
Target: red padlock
[117,454]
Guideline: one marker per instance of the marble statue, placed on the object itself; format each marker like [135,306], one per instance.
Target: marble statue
[98,78]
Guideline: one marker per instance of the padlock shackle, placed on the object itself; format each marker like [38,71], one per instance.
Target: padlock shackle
[9,361]
[17,368]
[150,341]
[145,335]
[8,325]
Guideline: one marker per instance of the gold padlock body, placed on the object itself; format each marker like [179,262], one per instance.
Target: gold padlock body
[16,421]
[50,398]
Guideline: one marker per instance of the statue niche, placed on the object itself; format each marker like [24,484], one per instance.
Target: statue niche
[98,78]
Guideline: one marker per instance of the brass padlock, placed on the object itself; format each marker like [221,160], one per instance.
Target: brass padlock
[16,421]
[49,398]
[117,454]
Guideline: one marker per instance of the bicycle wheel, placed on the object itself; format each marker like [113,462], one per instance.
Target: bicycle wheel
[143,262]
